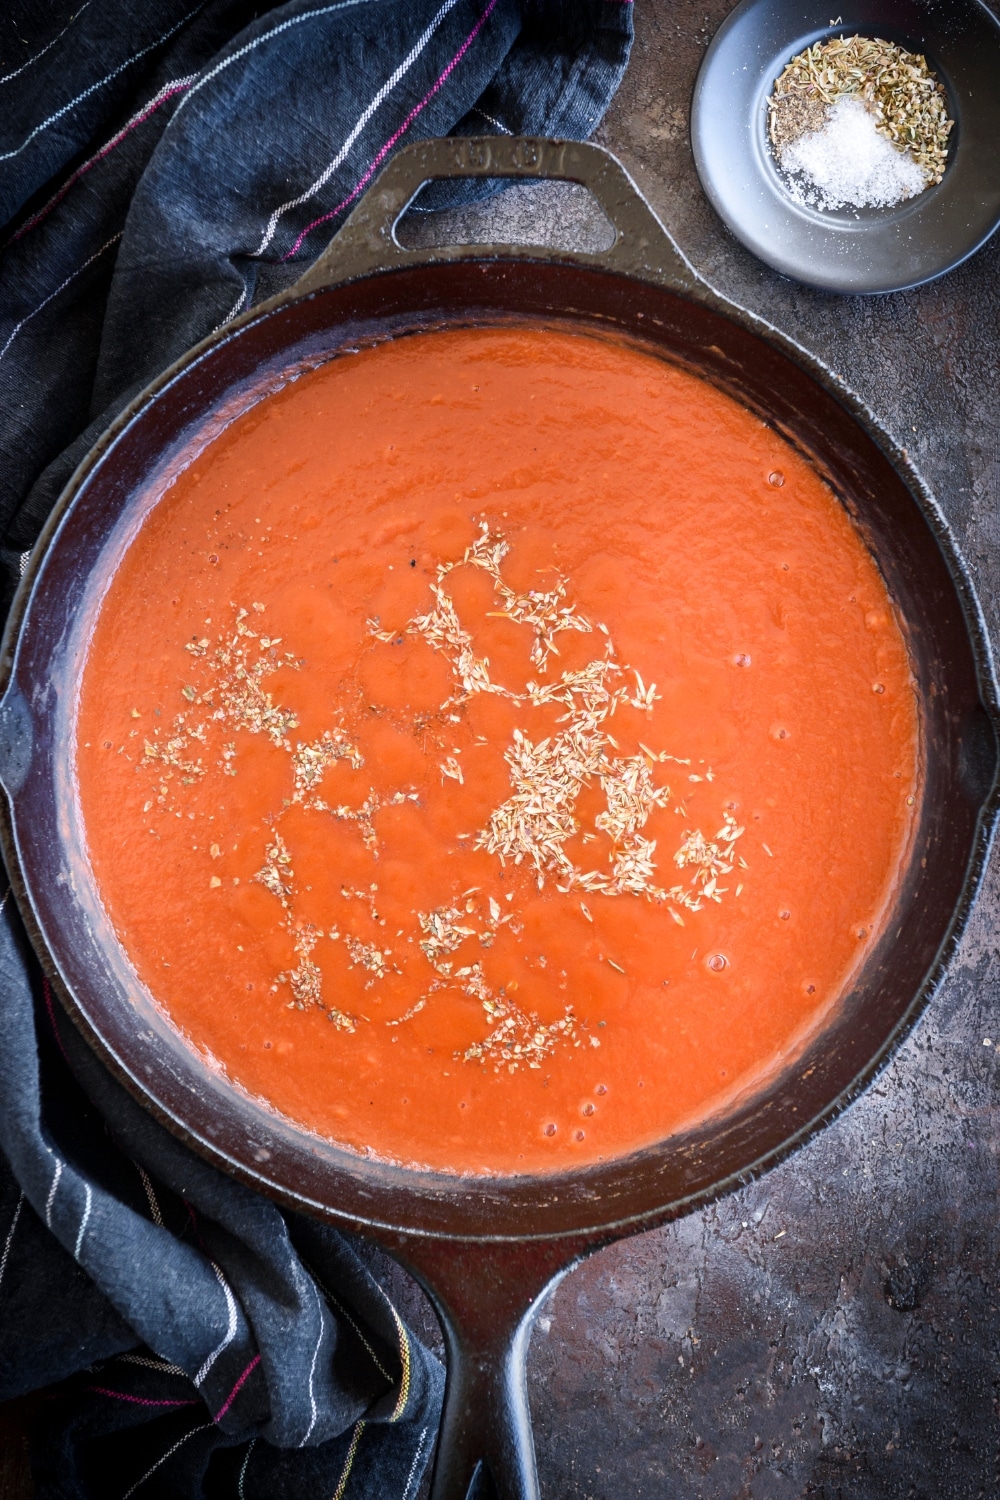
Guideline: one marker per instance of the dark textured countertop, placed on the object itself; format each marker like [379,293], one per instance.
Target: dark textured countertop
[833,1330]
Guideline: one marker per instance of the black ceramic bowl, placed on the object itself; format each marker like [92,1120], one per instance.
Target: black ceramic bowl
[851,250]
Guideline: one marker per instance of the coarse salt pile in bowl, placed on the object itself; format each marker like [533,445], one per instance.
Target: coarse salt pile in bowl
[849,164]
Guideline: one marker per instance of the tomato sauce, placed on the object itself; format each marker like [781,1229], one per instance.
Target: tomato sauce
[496,750]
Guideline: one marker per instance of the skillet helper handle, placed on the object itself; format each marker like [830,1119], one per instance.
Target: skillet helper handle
[486,1294]
[367,241]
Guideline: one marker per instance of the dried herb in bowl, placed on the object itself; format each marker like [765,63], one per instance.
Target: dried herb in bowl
[816,126]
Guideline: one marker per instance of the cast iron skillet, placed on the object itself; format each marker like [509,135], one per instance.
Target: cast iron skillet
[486,1249]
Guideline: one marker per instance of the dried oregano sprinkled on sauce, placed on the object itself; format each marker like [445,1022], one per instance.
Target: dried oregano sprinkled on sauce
[531,827]
[547,778]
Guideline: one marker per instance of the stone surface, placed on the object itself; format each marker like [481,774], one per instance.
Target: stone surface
[831,1331]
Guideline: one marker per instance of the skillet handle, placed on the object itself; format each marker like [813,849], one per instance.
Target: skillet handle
[367,242]
[486,1294]
[486,1449]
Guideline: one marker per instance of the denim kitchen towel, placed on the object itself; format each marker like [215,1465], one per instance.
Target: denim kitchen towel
[220,1347]
[163,166]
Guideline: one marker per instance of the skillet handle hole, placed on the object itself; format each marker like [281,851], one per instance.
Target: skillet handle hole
[557,215]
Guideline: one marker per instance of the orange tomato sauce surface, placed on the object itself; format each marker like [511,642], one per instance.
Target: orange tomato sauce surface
[496,750]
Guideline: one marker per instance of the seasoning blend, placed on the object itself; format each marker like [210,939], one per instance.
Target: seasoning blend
[859,123]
